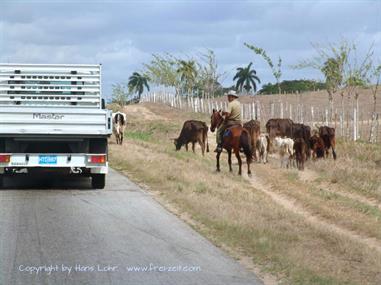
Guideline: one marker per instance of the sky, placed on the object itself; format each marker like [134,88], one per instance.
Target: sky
[122,35]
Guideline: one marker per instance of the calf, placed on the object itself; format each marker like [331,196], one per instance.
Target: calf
[263,144]
[254,129]
[328,136]
[193,131]
[304,132]
[119,121]
[300,152]
[317,146]
[286,150]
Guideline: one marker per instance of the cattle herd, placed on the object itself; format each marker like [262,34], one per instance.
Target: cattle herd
[294,142]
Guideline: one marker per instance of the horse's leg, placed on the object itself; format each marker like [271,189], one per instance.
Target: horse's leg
[230,160]
[218,161]
[333,144]
[193,143]
[202,144]
[254,147]
[248,160]
[186,146]
[236,152]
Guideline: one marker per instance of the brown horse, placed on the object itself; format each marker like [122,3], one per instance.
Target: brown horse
[234,138]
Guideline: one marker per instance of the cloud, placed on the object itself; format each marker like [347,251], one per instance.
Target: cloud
[123,34]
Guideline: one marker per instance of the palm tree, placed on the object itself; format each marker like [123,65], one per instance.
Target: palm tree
[246,78]
[137,83]
[188,73]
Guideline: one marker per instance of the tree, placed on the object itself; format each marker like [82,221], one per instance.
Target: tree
[119,94]
[208,76]
[246,78]
[343,70]
[162,70]
[292,86]
[188,73]
[375,75]
[137,83]
[276,70]
[332,62]
[333,72]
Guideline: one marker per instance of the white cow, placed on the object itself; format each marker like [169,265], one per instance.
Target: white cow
[285,148]
[263,144]
[119,121]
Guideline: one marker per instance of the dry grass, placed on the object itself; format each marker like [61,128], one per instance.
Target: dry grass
[231,212]
[319,99]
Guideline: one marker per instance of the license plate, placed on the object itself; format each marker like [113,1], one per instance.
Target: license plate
[47,159]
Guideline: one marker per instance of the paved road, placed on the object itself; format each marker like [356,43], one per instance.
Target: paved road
[120,230]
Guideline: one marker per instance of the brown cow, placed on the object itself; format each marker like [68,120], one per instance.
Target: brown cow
[328,136]
[254,129]
[279,127]
[193,131]
[304,132]
[300,152]
[317,146]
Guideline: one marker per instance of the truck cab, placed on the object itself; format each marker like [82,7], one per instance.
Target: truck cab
[52,118]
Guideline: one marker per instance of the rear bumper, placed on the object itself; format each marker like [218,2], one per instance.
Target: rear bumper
[50,160]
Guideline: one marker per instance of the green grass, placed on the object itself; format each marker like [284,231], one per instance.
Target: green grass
[292,176]
[138,135]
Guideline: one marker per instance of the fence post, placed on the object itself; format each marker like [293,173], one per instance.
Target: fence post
[272,110]
[312,115]
[354,124]
[258,112]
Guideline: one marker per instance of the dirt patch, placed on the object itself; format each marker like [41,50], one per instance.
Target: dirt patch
[308,175]
[142,112]
[293,206]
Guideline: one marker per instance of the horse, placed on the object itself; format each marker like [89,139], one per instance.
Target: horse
[234,138]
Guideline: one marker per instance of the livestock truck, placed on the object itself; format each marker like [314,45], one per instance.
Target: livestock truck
[53,119]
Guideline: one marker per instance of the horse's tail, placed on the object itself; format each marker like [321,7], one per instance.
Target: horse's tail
[245,144]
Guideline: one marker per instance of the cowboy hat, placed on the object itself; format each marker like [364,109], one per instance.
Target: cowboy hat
[232,93]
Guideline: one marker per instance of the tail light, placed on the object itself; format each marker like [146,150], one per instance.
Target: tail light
[5,158]
[97,159]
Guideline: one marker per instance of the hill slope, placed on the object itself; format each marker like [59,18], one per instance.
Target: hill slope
[320,226]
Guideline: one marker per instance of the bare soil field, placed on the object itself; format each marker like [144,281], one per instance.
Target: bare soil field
[318,226]
[319,99]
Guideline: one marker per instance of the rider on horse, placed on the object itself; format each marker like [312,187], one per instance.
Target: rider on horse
[232,118]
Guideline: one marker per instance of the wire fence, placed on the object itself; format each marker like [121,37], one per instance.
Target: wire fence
[351,123]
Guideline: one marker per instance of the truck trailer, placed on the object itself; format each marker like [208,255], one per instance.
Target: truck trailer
[53,119]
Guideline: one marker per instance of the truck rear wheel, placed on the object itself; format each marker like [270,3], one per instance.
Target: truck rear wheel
[98,181]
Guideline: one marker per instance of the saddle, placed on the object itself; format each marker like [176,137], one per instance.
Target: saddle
[230,125]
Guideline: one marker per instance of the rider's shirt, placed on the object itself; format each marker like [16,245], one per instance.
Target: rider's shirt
[234,108]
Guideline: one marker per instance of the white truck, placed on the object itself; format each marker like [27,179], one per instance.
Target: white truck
[53,118]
